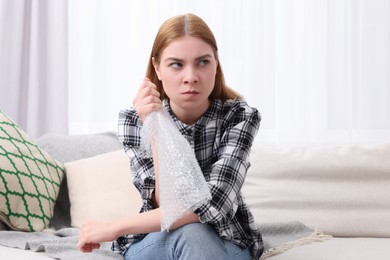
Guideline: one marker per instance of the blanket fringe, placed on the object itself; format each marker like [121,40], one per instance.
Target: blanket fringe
[316,236]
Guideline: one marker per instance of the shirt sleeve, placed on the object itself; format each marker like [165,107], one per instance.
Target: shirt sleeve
[229,170]
[142,169]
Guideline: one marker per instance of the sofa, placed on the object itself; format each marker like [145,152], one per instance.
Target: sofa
[339,190]
[339,194]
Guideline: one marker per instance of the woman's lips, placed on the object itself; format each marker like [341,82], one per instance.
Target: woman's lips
[190,93]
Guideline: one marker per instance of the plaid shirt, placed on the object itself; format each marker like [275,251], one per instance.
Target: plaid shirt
[222,139]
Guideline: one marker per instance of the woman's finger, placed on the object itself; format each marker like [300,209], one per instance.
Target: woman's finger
[147,99]
[145,93]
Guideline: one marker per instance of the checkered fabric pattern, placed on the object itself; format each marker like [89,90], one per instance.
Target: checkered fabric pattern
[221,139]
[29,179]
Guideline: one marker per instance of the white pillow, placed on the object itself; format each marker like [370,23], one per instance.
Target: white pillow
[344,191]
[101,188]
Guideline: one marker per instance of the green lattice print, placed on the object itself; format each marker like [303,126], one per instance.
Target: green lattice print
[29,179]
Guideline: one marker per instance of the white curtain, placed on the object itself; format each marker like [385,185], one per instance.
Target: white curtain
[33,64]
[318,70]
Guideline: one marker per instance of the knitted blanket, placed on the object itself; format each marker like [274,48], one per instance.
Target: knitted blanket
[61,244]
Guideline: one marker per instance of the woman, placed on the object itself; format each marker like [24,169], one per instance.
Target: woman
[184,76]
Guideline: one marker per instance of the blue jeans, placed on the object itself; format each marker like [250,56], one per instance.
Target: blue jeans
[192,241]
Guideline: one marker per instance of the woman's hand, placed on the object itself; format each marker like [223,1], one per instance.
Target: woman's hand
[93,233]
[147,99]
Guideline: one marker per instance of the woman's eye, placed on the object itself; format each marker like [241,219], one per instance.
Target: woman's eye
[204,62]
[176,65]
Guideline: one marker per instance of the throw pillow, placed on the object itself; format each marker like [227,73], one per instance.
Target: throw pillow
[29,179]
[67,148]
[101,188]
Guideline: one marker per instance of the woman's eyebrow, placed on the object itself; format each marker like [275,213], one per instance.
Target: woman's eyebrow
[173,59]
[204,57]
[181,60]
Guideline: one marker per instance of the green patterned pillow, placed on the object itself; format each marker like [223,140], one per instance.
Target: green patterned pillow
[29,179]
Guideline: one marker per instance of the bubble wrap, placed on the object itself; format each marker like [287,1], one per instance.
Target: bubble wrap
[182,184]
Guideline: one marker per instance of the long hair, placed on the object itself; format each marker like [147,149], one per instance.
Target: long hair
[187,25]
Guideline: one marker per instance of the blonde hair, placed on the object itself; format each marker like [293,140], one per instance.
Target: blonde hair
[187,25]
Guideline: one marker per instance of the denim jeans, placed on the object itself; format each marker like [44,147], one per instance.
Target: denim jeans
[192,241]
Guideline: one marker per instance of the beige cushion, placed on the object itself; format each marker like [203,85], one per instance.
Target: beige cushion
[101,188]
[30,179]
[340,249]
[344,191]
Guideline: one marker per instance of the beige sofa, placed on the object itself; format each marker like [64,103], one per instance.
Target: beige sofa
[340,191]
[343,191]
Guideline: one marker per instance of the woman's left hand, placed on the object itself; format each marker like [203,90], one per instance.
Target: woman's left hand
[93,233]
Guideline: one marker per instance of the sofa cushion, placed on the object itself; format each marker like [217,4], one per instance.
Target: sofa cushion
[344,191]
[339,249]
[100,188]
[29,179]
[67,148]
[19,254]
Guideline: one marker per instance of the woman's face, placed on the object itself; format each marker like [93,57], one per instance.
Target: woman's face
[187,70]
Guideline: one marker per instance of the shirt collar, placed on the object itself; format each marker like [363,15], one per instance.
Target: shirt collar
[201,123]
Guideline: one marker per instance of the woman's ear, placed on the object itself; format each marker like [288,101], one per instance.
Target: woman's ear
[156,67]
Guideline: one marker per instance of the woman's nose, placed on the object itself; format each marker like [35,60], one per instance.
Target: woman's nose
[190,76]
